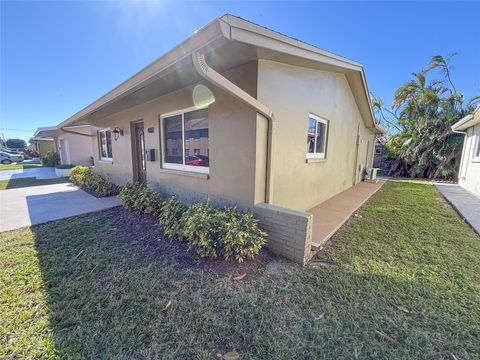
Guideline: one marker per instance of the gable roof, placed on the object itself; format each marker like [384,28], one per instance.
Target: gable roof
[227,41]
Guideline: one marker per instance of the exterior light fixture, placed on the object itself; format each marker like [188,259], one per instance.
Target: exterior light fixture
[117,132]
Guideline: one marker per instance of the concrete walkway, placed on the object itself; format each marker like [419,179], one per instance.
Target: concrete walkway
[330,215]
[466,203]
[38,204]
[39,173]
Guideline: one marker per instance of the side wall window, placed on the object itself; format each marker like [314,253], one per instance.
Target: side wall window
[316,137]
[476,152]
[105,144]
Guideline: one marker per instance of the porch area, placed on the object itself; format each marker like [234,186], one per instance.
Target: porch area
[330,215]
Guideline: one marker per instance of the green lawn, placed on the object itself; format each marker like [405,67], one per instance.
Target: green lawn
[401,281]
[30,181]
[18,166]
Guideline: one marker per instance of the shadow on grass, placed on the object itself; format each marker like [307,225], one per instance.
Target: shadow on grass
[15,183]
[117,289]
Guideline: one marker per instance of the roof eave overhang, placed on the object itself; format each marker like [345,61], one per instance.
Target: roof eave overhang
[230,27]
[253,34]
[468,121]
[202,37]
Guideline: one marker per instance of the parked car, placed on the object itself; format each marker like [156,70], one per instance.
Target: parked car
[8,158]
[196,160]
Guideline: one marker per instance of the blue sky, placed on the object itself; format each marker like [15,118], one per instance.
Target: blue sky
[57,57]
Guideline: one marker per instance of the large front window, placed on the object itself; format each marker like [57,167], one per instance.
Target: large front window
[105,144]
[185,141]
[316,137]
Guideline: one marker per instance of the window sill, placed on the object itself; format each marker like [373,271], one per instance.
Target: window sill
[476,160]
[192,174]
[105,161]
[315,160]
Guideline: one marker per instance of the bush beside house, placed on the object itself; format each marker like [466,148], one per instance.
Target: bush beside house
[210,230]
[51,159]
[84,177]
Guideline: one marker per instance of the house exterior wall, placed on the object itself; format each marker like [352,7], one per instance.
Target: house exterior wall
[292,93]
[469,174]
[232,143]
[78,147]
[45,146]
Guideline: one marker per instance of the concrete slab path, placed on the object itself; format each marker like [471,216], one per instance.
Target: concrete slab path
[330,215]
[466,203]
[39,173]
[38,204]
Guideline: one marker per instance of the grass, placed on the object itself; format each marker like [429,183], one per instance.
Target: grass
[30,181]
[18,166]
[400,281]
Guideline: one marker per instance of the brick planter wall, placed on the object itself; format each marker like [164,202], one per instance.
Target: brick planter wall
[289,231]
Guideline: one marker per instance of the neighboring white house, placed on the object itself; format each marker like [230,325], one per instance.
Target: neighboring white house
[73,144]
[469,173]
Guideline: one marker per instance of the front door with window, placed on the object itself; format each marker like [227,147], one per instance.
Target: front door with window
[139,164]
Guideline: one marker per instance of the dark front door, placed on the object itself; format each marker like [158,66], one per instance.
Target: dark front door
[140,167]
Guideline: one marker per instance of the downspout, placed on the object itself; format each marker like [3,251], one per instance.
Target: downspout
[220,81]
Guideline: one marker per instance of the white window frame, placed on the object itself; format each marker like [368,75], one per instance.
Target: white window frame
[181,167]
[110,159]
[316,155]
[476,148]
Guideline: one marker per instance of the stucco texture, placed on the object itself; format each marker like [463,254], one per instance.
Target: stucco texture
[292,93]
[75,149]
[232,142]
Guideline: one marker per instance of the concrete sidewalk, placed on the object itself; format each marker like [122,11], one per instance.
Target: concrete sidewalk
[466,203]
[40,173]
[38,204]
[330,215]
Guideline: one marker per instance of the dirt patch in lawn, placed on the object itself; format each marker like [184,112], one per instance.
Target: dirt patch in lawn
[145,231]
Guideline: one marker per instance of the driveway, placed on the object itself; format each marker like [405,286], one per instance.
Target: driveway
[39,173]
[39,204]
[466,203]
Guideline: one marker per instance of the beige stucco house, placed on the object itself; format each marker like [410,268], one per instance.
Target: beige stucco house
[240,114]
[42,144]
[73,144]
[469,172]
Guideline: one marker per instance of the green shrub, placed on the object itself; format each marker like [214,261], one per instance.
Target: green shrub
[51,158]
[240,237]
[225,232]
[200,227]
[100,185]
[79,175]
[138,196]
[83,176]
[172,211]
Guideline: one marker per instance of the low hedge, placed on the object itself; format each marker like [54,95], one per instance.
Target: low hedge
[83,176]
[210,230]
[138,196]
[169,219]
[51,158]
[213,231]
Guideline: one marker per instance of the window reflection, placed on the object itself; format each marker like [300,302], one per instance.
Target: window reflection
[190,140]
[196,138]
[172,128]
